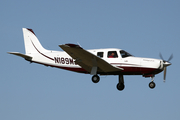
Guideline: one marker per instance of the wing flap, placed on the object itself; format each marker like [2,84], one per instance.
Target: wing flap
[88,60]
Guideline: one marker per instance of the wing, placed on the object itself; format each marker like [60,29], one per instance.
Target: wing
[88,61]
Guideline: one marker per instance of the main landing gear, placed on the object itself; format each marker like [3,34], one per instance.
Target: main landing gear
[120,86]
[152,84]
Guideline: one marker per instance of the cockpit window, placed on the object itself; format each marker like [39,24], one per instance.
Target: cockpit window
[112,54]
[100,54]
[125,54]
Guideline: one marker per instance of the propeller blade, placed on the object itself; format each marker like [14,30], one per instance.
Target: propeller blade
[165,69]
[170,57]
[160,55]
[165,64]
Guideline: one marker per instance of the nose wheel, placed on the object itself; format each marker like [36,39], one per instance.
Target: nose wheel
[152,85]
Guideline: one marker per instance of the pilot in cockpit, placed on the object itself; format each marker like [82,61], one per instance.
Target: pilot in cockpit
[112,55]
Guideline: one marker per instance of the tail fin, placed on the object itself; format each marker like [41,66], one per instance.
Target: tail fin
[31,42]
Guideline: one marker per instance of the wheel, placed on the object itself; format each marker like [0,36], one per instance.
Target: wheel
[152,85]
[120,86]
[95,79]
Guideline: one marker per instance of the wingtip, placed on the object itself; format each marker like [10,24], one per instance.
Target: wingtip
[70,45]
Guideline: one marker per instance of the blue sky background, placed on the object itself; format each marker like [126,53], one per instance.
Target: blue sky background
[143,28]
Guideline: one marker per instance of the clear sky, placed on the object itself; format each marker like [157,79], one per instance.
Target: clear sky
[143,28]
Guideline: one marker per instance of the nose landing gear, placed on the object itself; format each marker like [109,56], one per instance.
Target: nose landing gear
[152,84]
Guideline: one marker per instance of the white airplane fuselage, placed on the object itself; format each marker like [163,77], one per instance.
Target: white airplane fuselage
[131,65]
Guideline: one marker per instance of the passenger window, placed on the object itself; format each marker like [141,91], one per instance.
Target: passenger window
[100,54]
[112,54]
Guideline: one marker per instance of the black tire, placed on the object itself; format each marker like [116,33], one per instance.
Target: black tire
[120,86]
[95,79]
[152,85]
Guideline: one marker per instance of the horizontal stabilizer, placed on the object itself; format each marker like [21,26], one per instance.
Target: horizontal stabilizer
[29,58]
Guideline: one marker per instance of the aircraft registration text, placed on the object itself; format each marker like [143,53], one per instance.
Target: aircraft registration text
[62,60]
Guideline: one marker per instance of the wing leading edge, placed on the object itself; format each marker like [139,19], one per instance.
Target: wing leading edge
[89,61]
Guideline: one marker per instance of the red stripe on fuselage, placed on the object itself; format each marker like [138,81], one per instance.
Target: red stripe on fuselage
[126,71]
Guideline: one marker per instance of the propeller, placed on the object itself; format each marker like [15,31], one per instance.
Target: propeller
[165,64]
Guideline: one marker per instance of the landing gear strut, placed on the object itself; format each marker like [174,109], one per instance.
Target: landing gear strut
[152,84]
[120,86]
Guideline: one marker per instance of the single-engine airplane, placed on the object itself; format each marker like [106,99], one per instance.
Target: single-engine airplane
[97,61]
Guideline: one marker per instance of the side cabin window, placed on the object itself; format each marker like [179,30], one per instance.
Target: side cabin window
[112,54]
[100,54]
[124,54]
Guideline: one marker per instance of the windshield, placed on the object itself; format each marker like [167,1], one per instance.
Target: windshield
[125,54]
